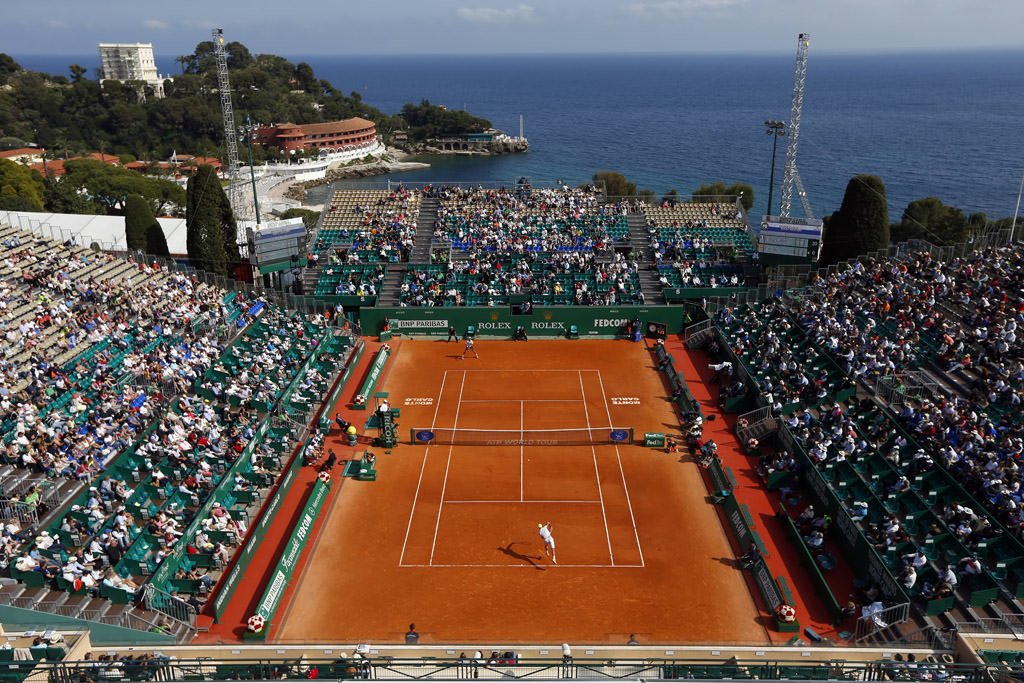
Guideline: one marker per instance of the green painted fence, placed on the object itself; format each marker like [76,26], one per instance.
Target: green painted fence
[376,368]
[553,321]
[292,552]
[673,294]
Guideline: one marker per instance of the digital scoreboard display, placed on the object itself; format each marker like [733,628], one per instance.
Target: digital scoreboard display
[793,237]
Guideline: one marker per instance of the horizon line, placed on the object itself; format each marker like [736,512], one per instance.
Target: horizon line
[624,53]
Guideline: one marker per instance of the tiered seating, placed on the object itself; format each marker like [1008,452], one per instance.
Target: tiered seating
[369,225]
[781,360]
[94,347]
[932,480]
[697,232]
[700,274]
[528,220]
[549,279]
[363,279]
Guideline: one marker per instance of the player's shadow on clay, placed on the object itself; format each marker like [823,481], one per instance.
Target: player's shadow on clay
[522,557]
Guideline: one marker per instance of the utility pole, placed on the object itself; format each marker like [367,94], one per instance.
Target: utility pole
[776,129]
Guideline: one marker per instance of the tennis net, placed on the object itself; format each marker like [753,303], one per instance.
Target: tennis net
[443,436]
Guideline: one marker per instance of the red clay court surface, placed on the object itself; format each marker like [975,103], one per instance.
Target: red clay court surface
[447,536]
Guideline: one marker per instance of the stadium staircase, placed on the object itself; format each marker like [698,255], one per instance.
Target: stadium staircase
[639,240]
[389,288]
[425,221]
[310,278]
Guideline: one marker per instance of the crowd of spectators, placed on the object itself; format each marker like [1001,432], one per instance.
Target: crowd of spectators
[571,278]
[954,321]
[102,358]
[373,226]
[525,220]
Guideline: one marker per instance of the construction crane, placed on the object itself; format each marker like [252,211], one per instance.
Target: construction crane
[790,175]
[236,187]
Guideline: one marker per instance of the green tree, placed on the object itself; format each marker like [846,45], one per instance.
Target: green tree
[8,142]
[77,72]
[932,220]
[425,120]
[156,241]
[8,67]
[615,184]
[21,188]
[137,219]
[204,221]
[110,186]
[861,225]
[309,218]
[671,197]
[62,197]
[720,190]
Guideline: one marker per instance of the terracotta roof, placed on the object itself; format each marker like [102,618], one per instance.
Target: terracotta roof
[343,126]
[22,152]
[53,168]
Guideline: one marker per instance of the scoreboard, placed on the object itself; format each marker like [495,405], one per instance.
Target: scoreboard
[278,245]
[790,238]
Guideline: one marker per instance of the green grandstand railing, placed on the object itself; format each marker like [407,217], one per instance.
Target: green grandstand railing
[929,667]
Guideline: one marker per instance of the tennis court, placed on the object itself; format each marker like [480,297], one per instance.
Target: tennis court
[525,466]
[447,536]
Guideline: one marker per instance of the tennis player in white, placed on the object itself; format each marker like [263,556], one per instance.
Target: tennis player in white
[470,348]
[544,530]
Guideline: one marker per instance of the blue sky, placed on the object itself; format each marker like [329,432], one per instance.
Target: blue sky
[311,27]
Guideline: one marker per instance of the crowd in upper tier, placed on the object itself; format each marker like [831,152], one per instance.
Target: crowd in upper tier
[940,338]
[523,220]
[147,389]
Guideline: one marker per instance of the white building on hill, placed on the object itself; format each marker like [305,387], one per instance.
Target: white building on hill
[130,62]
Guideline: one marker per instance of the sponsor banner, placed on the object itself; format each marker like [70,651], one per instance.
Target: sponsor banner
[399,324]
[499,321]
[292,552]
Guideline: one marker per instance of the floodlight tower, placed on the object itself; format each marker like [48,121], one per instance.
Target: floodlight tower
[790,175]
[236,191]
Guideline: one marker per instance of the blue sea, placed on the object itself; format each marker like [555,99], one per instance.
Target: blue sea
[949,125]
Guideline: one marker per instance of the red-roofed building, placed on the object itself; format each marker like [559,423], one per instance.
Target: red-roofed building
[54,168]
[24,155]
[331,136]
[184,164]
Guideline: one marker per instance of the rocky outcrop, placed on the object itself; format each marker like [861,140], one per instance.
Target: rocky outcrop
[298,190]
[469,147]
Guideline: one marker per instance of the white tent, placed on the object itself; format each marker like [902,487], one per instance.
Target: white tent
[85,230]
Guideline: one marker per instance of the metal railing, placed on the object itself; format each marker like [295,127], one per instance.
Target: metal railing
[756,424]
[171,607]
[927,668]
[881,621]
[27,515]
[1007,624]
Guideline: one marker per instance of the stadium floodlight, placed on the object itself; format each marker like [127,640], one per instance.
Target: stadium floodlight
[776,129]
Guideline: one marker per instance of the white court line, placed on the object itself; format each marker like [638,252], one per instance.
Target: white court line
[618,456]
[521,371]
[412,512]
[444,485]
[597,473]
[505,502]
[521,400]
[522,471]
[534,566]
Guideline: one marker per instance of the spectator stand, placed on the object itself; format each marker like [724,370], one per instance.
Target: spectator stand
[308,437]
